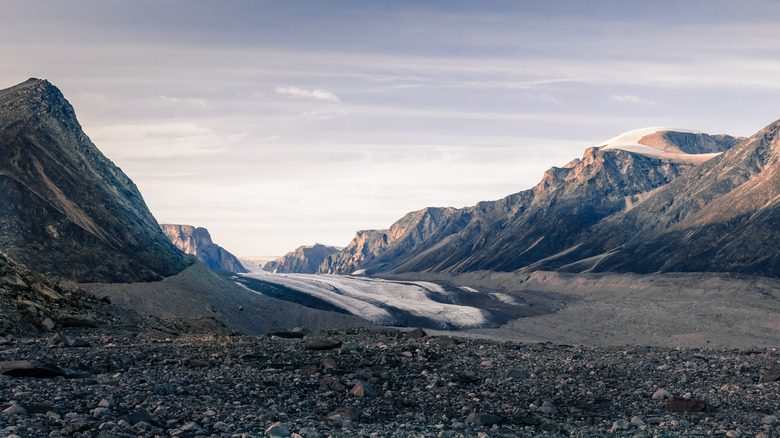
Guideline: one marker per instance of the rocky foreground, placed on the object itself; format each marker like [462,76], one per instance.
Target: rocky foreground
[99,382]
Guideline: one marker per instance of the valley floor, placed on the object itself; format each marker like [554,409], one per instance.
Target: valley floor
[382,383]
[666,310]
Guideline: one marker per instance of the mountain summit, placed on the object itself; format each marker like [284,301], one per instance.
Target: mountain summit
[65,209]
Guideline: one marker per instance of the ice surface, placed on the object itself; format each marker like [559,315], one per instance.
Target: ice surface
[383,302]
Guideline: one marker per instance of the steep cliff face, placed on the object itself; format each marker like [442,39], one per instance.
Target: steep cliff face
[303,260]
[65,209]
[197,241]
[532,228]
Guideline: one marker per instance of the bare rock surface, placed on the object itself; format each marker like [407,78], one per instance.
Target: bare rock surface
[146,382]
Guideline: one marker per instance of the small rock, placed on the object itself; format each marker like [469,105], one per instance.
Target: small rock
[772,375]
[620,425]
[322,345]
[190,429]
[349,347]
[517,375]
[28,368]
[687,405]
[363,389]
[482,419]
[548,408]
[47,292]
[15,410]
[60,340]
[662,394]
[139,416]
[309,370]
[14,282]
[48,324]
[344,414]
[101,412]
[329,362]
[197,363]
[73,320]
[277,430]
[284,334]
[308,432]
[417,333]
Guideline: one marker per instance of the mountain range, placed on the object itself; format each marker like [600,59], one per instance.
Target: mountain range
[650,200]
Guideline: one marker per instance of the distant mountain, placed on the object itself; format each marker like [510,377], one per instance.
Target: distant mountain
[197,241]
[65,209]
[552,220]
[303,260]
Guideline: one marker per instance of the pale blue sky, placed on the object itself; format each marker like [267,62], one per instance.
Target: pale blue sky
[276,124]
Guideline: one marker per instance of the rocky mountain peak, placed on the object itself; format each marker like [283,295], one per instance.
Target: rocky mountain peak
[66,209]
[304,259]
[197,241]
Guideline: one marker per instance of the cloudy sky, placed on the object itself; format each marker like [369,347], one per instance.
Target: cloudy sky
[281,123]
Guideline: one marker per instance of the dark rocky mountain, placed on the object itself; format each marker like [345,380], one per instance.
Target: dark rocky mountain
[303,260]
[65,209]
[721,216]
[197,241]
[531,228]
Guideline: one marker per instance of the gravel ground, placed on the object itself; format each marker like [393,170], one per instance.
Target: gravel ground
[378,382]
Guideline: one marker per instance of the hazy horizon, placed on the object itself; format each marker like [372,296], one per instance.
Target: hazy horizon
[280,124]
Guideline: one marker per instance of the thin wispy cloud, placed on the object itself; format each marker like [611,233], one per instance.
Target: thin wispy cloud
[318,94]
[630,98]
[186,102]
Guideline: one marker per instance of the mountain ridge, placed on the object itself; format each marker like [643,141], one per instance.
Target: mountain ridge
[529,229]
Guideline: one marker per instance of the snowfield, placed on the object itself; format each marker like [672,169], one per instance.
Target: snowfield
[385,302]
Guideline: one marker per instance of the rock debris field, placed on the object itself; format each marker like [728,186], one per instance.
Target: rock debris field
[88,382]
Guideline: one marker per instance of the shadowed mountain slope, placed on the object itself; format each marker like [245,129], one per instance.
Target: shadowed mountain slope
[65,209]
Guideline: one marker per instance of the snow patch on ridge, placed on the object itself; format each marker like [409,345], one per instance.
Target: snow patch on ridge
[630,142]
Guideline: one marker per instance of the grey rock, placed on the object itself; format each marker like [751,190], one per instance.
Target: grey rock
[363,389]
[15,410]
[483,419]
[277,430]
[141,415]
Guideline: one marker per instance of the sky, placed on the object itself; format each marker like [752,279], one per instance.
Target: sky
[276,124]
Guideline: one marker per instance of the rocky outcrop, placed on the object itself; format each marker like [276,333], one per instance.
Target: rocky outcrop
[197,241]
[65,209]
[303,260]
[549,226]
[31,303]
